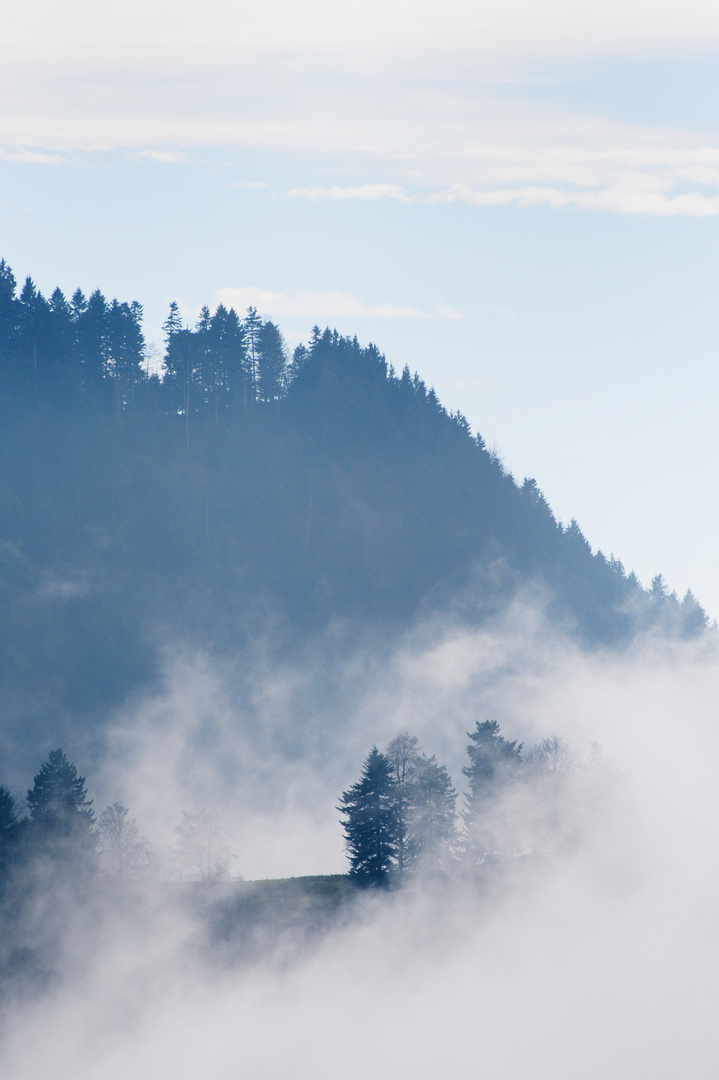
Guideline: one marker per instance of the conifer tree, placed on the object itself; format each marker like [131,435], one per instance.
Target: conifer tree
[226,377]
[271,363]
[252,325]
[370,824]
[61,815]
[8,310]
[494,763]
[10,829]
[92,341]
[62,342]
[125,349]
[173,322]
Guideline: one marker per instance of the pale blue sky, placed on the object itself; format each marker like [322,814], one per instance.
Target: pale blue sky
[527,213]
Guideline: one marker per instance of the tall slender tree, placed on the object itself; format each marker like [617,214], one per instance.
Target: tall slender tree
[252,326]
[370,824]
[125,350]
[8,311]
[403,756]
[92,342]
[494,763]
[271,363]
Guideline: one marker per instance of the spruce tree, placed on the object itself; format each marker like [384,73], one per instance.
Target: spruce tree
[10,830]
[61,815]
[494,763]
[370,824]
[271,363]
[252,325]
[9,311]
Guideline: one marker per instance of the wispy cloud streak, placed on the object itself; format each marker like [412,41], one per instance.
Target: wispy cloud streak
[323,305]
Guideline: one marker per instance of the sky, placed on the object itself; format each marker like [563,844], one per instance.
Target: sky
[521,204]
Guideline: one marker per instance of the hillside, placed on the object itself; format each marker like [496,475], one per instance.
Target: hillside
[243,496]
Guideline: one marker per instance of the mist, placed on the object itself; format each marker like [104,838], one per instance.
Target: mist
[594,960]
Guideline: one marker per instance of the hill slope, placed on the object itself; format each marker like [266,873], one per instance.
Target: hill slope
[224,503]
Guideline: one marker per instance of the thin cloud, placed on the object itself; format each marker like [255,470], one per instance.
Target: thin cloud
[31,157]
[465,138]
[365,192]
[164,157]
[647,203]
[323,305]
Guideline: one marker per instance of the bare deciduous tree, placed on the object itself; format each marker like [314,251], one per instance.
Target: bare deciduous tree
[552,756]
[403,756]
[201,853]
[125,853]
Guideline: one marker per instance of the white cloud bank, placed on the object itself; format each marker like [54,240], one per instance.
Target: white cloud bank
[597,964]
[411,103]
[141,33]
[469,147]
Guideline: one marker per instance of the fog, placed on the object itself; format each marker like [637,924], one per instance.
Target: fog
[594,960]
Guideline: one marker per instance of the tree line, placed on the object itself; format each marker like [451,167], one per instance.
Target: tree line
[93,350]
[60,834]
[400,818]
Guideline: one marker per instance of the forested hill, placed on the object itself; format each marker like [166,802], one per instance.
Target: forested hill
[242,492]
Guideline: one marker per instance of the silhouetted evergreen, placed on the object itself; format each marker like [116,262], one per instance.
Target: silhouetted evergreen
[370,825]
[61,816]
[10,831]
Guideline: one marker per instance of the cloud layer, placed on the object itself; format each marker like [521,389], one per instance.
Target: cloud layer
[600,963]
[464,133]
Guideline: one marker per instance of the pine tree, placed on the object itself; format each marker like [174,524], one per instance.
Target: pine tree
[61,815]
[252,325]
[8,311]
[91,333]
[65,362]
[494,763]
[226,372]
[271,363]
[370,824]
[126,349]
[182,380]
[173,323]
[10,829]
[34,329]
